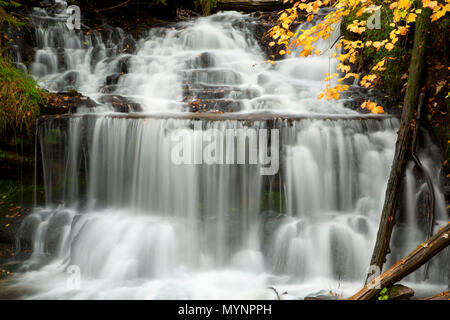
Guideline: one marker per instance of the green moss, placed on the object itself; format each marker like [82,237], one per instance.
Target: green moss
[21,99]
[8,17]
[206,5]
[273,200]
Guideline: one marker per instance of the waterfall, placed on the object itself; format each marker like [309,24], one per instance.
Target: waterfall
[134,224]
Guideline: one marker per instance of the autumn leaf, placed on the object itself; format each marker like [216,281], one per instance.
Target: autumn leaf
[389,46]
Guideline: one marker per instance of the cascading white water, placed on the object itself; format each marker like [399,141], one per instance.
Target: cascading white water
[136,225]
[215,60]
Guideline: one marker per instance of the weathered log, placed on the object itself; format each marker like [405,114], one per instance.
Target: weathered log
[252,5]
[441,296]
[421,255]
[405,142]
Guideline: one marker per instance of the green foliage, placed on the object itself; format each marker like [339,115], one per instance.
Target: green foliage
[206,5]
[397,65]
[53,137]
[8,18]
[5,4]
[384,294]
[21,98]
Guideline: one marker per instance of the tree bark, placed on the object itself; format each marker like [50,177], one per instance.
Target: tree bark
[404,267]
[441,296]
[405,142]
[252,5]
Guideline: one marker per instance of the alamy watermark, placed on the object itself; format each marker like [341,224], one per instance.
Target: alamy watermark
[74,20]
[73,282]
[374,21]
[373,279]
[227,147]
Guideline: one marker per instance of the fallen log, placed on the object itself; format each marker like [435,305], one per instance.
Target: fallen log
[404,267]
[252,5]
[441,296]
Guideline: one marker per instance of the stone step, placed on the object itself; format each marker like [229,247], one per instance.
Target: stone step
[220,92]
[212,76]
[214,105]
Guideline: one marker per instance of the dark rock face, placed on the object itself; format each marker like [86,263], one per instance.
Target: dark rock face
[355,96]
[120,103]
[13,218]
[66,102]
[112,79]
[20,44]
[69,102]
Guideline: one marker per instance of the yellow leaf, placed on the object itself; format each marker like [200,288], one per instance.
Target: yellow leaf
[411,18]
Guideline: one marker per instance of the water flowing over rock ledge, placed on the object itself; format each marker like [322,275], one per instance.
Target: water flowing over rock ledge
[140,226]
[263,116]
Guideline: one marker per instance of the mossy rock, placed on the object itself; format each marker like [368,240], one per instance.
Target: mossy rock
[400,292]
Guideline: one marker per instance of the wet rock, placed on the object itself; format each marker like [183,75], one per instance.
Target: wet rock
[108,89]
[70,80]
[121,104]
[342,261]
[66,102]
[97,55]
[62,65]
[13,218]
[263,79]
[212,105]
[362,225]
[202,91]
[271,222]
[20,43]
[9,290]
[56,228]
[112,79]
[400,292]
[355,96]
[128,45]
[212,76]
[183,14]
[123,65]
[205,60]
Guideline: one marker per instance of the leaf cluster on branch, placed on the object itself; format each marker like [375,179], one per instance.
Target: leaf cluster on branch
[401,14]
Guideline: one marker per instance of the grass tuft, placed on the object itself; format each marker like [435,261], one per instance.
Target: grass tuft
[20,99]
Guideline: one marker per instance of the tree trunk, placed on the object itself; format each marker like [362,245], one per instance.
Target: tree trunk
[252,5]
[441,296]
[404,267]
[405,142]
